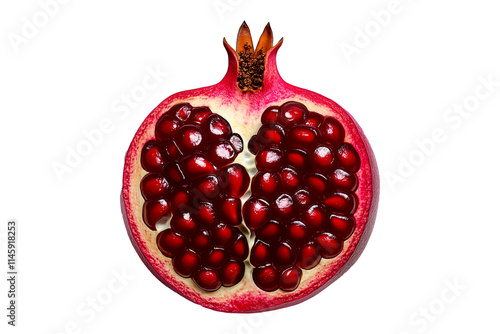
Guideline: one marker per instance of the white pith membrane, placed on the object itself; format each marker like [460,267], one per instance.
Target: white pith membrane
[246,127]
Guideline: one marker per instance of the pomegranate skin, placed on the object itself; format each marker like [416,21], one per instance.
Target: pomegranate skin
[243,110]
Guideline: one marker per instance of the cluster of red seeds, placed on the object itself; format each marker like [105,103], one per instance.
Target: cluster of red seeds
[303,196]
[193,182]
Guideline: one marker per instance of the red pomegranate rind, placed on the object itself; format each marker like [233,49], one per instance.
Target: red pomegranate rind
[243,112]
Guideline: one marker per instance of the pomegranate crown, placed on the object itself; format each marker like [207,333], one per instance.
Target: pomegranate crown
[252,61]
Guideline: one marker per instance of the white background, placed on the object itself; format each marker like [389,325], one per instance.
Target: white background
[437,225]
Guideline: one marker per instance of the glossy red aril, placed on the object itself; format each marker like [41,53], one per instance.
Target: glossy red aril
[201,242]
[341,226]
[266,277]
[271,232]
[170,242]
[290,278]
[186,263]
[234,180]
[155,211]
[154,186]
[266,184]
[208,279]
[239,248]
[257,213]
[230,210]
[236,243]
[309,255]
[232,273]
[330,245]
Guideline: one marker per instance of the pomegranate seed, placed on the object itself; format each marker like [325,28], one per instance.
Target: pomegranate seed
[170,150]
[154,186]
[271,134]
[297,158]
[266,278]
[166,128]
[260,254]
[201,242]
[309,256]
[289,179]
[254,145]
[184,224]
[298,233]
[266,184]
[343,180]
[290,278]
[200,114]
[271,232]
[239,249]
[331,131]
[206,215]
[237,142]
[342,203]
[180,198]
[207,279]
[303,198]
[292,113]
[323,158]
[341,226]
[270,115]
[234,180]
[154,212]
[348,158]
[230,210]
[206,187]
[330,245]
[223,235]
[284,255]
[232,273]
[189,138]
[216,127]
[314,119]
[173,173]
[302,136]
[269,159]
[283,207]
[216,258]
[180,111]
[151,159]
[196,165]
[186,263]
[221,153]
[315,217]
[316,182]
[256,213]
[170,243]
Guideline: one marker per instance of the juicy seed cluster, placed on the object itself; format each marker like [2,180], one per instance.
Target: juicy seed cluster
[303,196]
[193,185]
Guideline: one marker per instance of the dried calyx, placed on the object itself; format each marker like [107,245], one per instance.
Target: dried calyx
[251,62]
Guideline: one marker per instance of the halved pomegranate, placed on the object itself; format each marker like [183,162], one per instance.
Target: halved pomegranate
[251,194]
